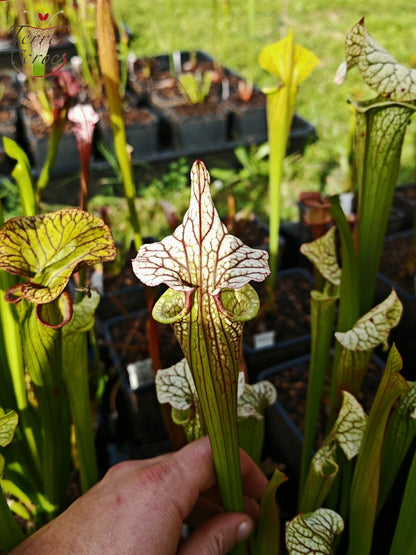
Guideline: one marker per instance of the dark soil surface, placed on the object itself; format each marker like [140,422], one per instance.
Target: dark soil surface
[251,231]
[291,317]
[398,261]
[39,127]
[133,116]
[257,99]
[6,116]
[131,341]
[203,109]
[406,192]
[8,122]
[10,93]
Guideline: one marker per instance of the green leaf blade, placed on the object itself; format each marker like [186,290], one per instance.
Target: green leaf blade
[267,540]
[380,131]
[404,539]
[76,378]
[366,479]
[400,434]
[23,175]
[323,310]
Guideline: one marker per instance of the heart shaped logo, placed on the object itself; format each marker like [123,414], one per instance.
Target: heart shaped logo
[43,17]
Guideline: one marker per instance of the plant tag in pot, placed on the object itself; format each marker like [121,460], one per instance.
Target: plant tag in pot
[140,372]
[225,89]
[264,339]
[177,61]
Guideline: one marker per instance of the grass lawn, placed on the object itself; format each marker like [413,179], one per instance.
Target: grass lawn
[160,26]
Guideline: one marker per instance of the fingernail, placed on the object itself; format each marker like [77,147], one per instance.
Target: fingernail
[244,531]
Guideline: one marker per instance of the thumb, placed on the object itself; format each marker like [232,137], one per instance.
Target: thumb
[218,535]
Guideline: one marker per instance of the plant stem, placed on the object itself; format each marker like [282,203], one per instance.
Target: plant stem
[107,54]
[323,309]
[54,140]
[279,118]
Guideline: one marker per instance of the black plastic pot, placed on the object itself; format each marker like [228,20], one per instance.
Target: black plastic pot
[398,220]
[132,423]
[141,136]
[404,334]
[404,198]
[67,161]
[8,128]
[121,302]
[126,337]
[248,120]
[259,358]
[63,46]
[191,129]
[284,437]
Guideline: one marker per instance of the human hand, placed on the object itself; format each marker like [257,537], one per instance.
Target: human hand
[140,506]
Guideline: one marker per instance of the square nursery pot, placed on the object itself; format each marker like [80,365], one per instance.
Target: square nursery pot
[134,428]
[248,123]
[404,198]
[130,426]
[121,301]
[8,128]
[142,131]
[301,134]
[197,127]
[121,292]
[248,118]
[398,220]
[10,91]
[254,232]
[153,80]
[397,270]
[126,336]
[297,233]
[284,332]
[165,94]
[285,418]
[36,135]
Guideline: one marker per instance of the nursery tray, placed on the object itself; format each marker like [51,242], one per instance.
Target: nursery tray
[238,131]
[165,146]
[285,416]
